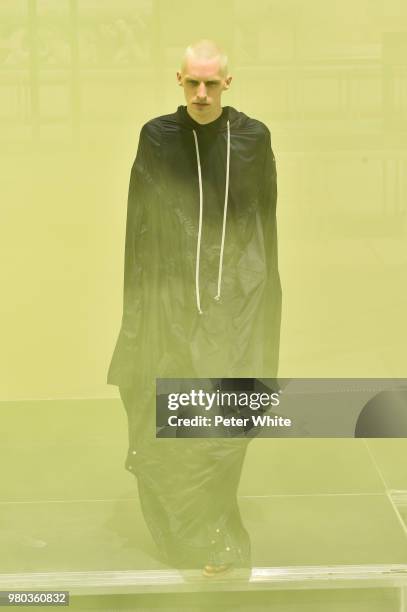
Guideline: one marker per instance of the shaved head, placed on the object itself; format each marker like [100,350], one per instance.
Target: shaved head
[204,76]
[203,50]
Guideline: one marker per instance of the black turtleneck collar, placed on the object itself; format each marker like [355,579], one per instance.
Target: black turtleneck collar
[218,124]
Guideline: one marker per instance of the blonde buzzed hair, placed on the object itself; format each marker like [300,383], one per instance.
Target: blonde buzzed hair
[206,49]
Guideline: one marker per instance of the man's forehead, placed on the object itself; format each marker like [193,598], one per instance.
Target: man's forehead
[196,68]
[199,77]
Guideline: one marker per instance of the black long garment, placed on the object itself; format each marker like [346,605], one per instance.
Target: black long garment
[172,325]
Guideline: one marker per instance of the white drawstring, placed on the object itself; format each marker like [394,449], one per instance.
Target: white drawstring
[198,245]
[225,208]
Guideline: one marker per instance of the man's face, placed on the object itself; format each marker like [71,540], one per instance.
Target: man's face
[203,85]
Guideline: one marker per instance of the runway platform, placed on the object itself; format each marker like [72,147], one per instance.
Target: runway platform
[326,519]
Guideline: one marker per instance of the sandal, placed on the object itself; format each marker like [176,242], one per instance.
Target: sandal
[216,570]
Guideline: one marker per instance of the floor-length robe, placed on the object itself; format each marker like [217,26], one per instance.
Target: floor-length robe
[202,299]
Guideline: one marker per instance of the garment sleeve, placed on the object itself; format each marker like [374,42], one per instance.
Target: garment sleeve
[268,206]
[268,185]
[140,202]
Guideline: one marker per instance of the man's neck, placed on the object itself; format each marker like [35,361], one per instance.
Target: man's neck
[196,116]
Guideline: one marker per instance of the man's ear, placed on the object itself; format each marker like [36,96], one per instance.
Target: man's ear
[179,78]
[227,82]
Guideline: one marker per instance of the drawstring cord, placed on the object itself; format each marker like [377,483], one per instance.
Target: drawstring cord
[225,208]
[198,244]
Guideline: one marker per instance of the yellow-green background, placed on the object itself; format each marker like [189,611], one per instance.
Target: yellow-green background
[77,81]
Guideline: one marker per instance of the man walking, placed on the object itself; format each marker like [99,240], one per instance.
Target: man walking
[202,299]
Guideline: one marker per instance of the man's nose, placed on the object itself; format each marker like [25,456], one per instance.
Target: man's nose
[201,93]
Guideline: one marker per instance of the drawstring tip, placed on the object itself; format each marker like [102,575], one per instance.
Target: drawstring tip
[200,311]
[217,298]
